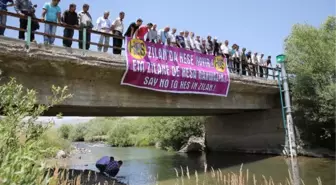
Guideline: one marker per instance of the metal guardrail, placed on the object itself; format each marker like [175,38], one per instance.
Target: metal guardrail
[29,30]
[253,70]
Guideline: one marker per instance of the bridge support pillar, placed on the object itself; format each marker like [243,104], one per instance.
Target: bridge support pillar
[251,132]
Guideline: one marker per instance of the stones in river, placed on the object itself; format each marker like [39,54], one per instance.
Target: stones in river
[194,144]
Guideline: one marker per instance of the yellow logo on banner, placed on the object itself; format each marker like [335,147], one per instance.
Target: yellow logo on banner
[220,63]
[137,48]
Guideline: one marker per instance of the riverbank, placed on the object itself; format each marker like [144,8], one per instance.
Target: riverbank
[74,176]
[147,165]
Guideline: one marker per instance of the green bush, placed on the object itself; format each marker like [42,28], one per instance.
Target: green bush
[65,130]
[120,135]
[311,54]
[173,132]
[51,138]
[23,147]
[78,132]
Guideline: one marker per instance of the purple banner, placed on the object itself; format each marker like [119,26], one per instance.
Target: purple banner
[174,70]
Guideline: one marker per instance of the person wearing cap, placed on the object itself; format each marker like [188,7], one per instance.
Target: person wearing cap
[243,60]
[51,13]
[85,21]
[142,31]
[132,28]
[104,26]
[180,40]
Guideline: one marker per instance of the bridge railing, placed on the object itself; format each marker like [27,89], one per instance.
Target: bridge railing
[252,70]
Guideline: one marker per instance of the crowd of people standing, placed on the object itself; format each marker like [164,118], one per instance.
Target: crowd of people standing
[250,64]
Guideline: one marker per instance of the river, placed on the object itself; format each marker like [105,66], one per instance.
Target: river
[143,166]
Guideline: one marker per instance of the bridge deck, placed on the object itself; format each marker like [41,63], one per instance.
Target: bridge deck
[94,80]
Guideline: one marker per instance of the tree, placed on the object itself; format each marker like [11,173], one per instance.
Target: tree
[22,147]
[311,55]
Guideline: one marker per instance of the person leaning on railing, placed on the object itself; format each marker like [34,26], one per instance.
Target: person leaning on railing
[26,8]
[3,18]
[85,21]
[69,17]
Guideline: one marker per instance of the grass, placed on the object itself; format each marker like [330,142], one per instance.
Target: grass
[216,177]
[183,177]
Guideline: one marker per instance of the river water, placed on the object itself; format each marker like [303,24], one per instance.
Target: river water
[144,166]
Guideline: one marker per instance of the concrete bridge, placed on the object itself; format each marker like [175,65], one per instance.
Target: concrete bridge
[251,112]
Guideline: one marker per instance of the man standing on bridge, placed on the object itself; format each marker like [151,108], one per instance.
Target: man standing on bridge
[3,18]
[117,29]
[69,17]
[51,13]
[104,25]
[85,21]
[24,8]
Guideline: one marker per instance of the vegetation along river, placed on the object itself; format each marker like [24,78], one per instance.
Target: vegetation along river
[144,166]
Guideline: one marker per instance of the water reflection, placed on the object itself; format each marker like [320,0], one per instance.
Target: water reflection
[144,166]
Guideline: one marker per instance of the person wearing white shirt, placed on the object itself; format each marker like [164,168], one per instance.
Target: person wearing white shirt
[118,29]
[226,53]
[192,40]
[85,21]
[261,65]
[197,43]
[152,34]
[172,38]
[236,56]
[187,41]
[163,35]
[104,25]
[255,64]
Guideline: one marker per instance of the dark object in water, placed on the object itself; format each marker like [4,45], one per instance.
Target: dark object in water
[87,177]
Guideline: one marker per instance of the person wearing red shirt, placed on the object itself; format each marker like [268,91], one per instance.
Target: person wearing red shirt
[142,31]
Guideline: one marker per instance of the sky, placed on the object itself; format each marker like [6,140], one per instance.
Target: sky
[259,25]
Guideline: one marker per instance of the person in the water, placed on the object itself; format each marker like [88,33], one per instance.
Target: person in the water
[113,168]
[102,163]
